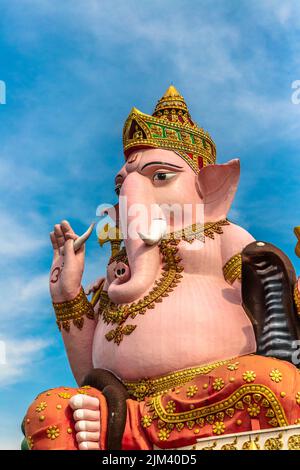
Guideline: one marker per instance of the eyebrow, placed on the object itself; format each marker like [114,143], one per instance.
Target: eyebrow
[161,163]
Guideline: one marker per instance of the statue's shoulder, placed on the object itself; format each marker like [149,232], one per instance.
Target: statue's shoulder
[234,240]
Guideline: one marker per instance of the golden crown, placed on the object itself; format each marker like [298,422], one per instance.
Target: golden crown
[170,127]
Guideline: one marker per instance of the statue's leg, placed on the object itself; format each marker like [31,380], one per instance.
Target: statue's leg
[66,418]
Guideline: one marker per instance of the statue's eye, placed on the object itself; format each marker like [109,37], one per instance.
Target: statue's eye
[163,176]
[118,189]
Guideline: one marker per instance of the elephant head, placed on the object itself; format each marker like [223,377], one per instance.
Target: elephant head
[157,184]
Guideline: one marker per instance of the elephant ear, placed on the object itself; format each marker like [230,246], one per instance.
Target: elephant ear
[217,185]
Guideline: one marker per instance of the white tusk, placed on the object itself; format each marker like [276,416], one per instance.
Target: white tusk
[83,238]
[157,231]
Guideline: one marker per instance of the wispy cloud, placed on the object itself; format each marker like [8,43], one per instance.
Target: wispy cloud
[17,240]
[21,355]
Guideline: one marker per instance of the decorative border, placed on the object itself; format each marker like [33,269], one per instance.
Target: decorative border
[151,387]
[221,406]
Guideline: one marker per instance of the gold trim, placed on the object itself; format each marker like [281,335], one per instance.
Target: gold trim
[222,405]
[73,310]
[232,270]
[151,387]
[274,443]
[198,231]
[294,442]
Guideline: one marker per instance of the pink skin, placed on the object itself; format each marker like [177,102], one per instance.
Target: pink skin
[122,272]
[216,321]
[202,321]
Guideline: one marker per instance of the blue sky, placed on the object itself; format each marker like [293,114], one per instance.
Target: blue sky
[73,70]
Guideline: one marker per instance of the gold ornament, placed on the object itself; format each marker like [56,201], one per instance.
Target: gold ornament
[251,445]
[249,376]
[211,447]
[218,384]
[218,428]
[233,366]
[30,442]
[191,391]
[170,127]
[151,387]
[230,446]
[274,443]
[276,375]
[232,270]
[73,310]
[52,432]
[41,407]
[254,410]
[294,442]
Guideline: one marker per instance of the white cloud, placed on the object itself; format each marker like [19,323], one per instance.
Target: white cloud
[27,299]
[17,239]
[286,13]
[21,357]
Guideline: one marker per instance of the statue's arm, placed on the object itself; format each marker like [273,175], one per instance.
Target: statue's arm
[79,341]
[78,345]
[76,317]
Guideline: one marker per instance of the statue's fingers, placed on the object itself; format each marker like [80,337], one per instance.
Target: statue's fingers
[90,426]
[69,245]
[60,238]
[54,245]
[89,446]
[84,436]
[84,401]
[86,415]
[66,227]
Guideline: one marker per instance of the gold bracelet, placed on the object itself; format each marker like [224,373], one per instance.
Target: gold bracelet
[232,270]
[73,310]
[297,298]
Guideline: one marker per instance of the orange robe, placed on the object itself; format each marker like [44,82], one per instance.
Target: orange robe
[244,394]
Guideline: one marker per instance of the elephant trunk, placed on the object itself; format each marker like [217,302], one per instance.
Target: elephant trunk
[141,244]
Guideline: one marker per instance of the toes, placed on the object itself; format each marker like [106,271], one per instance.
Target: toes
[84,436]
[86,415]
[84,401]
[88,446]
[91,426]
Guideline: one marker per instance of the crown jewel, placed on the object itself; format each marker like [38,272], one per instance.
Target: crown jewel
[170,127]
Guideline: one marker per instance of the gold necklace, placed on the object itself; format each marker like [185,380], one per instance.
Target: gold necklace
[115,314]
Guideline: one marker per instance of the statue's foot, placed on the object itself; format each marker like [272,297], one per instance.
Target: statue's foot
[87,421]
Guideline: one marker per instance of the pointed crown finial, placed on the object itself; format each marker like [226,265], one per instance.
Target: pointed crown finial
[171,100]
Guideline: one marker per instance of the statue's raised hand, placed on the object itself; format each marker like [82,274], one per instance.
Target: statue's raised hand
[67,266]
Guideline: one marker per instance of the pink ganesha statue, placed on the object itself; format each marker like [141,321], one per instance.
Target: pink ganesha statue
[192,333]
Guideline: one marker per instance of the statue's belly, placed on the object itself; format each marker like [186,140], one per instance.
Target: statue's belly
[202,321]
